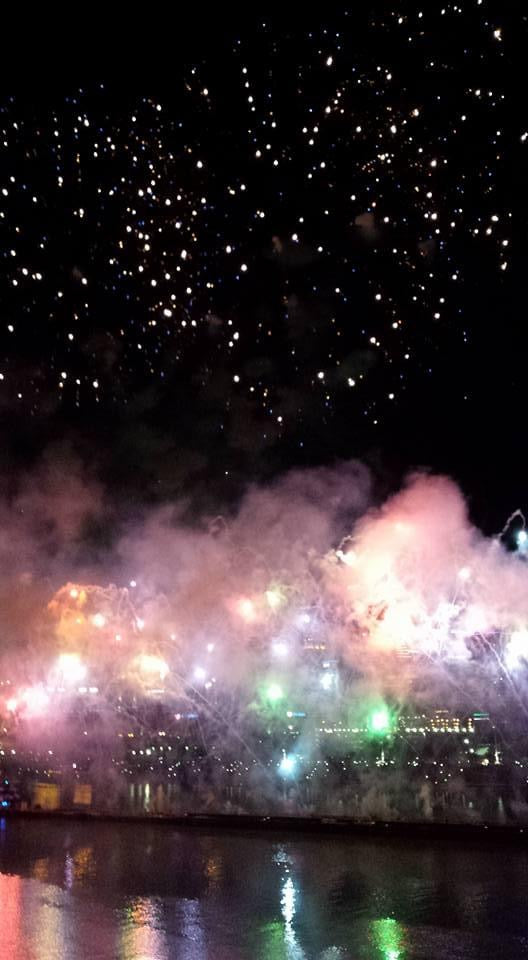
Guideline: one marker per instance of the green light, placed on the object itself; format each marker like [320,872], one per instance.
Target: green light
[274,692]
[271,941]
[379,722]
[388,936]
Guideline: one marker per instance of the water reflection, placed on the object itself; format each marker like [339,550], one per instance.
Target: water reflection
[94,891]
[142,934]
[194,947]
[83,864]
[293,949]
[10,917]
[79,867]
[388,936]
[46,928]
[41,869]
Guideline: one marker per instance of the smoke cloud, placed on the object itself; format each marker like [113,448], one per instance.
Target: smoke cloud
[264,649]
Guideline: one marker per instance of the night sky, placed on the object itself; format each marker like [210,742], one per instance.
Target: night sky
[292,246]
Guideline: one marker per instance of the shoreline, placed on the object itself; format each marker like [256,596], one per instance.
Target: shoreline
[291,824]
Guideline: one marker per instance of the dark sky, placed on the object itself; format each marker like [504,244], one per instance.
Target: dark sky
[292,244]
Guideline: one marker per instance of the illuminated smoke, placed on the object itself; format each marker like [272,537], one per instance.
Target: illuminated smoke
[307,602]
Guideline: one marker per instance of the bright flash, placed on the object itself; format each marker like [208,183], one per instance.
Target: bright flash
[11,705]
[379,721]
[74,593]
[287,765]
[35,700]
[274,598]
[98,620]
[279,649]
[199,673]
[150,664]
[464,573]
[71,669]
[246,609]
[274,692]
[517,649]
[349,558]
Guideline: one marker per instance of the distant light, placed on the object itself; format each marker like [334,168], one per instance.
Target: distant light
[11,705]
[464,573]
[199,673]
[246,609]
[98,620]
[522,537]
[210,647]
[151,664]
[379,721]
[71,668]
[274,597]
[274,692]
[287,765]
[74,593]
[279,649]
[35,700]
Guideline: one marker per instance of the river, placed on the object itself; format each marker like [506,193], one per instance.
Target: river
[131,891]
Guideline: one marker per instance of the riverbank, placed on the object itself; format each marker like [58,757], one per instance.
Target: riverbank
[289,824]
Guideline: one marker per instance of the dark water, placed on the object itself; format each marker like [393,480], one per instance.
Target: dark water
[70,891]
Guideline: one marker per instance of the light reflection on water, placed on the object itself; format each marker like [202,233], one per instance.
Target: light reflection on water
[142,933]
[76,891]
